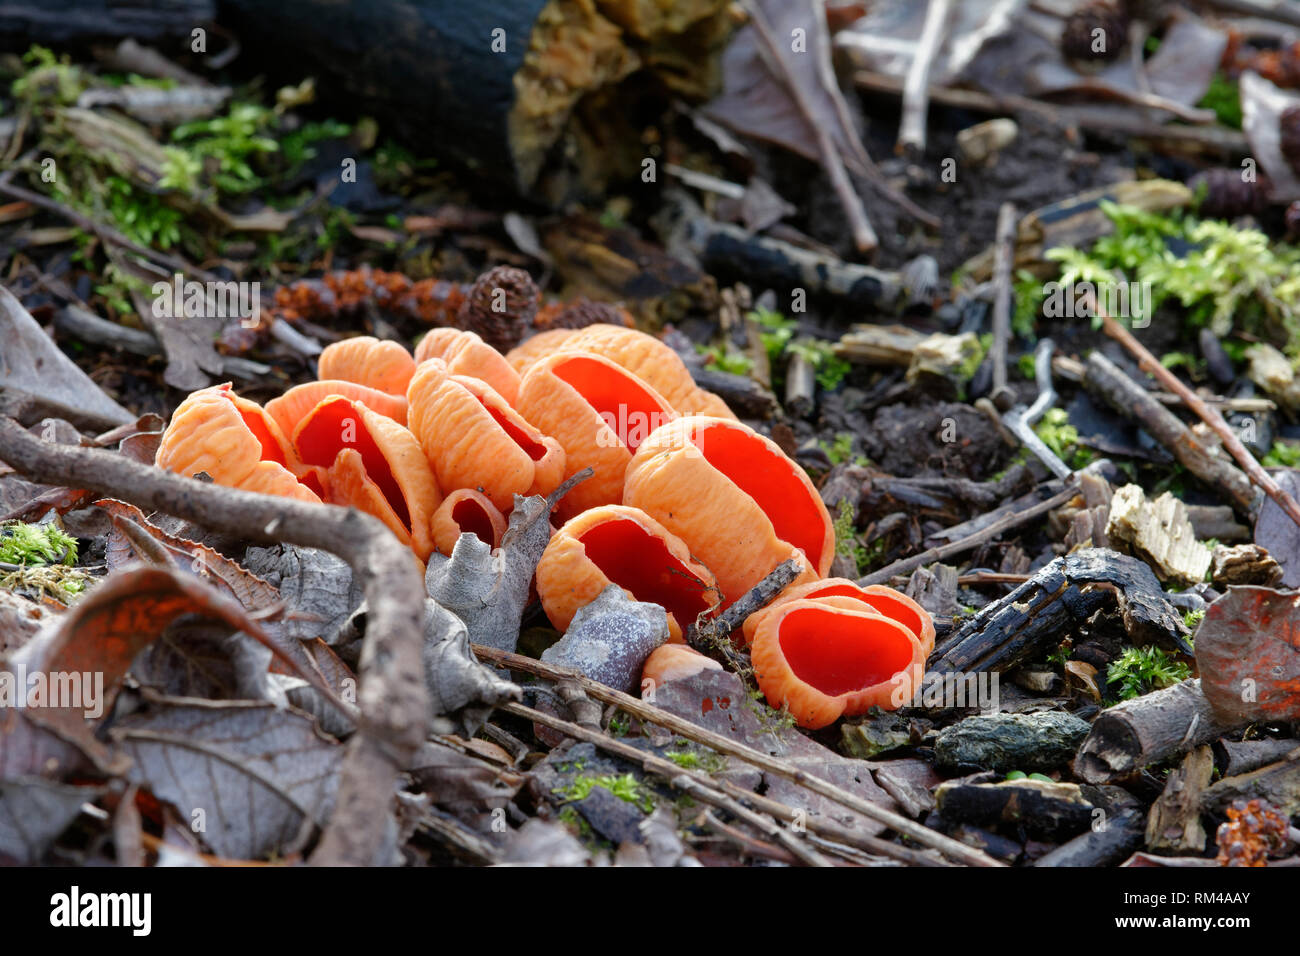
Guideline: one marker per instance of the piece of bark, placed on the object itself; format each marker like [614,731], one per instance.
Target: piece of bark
[1278,783]
[729,251]
[1003,742]
[1159,533]
[1218,522]
[1055,600]
[1174,824]
[935,589]
[744,396]
[1106,381]
[1243,564]
[1142,731]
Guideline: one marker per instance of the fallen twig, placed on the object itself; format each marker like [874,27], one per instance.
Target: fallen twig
[1207,413]
[1011,520]
[916,88]
[1003,260]
[684,728]
[393,698]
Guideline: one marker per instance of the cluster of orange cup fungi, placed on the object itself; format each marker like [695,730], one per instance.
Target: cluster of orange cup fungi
[687,507]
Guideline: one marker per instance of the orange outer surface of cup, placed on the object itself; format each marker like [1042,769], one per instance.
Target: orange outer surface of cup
[467,354]
[568,578]
[473,439]
[887,601]
[599,413]
[671,480]
[857,626]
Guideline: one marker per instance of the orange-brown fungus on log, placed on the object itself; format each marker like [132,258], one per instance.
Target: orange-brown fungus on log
[624,546]
[474,439]
[342,294]
[374,464]
[886,600]
[467,511]
[381,365]
[234,442]
[833,656]
[599,413]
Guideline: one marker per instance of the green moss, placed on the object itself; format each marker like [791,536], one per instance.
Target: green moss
[1282,454]
[625,787]
[1141,670]
[1224,98]
[724,361]
[22,543]
[1062,438]
[691,758]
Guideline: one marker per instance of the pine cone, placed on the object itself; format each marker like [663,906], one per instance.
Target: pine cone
[1079,41]
[500,306]
[580,313]
[1227,196]
[1289,132]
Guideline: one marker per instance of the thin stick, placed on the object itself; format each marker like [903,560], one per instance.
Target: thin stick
[1219,139]
[1003,260]
[692,782]
[916,89]
[393,700]
[1207,413]
[1005,523]
[682,727]
[864,236]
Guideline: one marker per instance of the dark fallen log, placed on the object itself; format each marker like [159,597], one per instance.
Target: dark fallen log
[1109,844]
[1043,810]
[744,396]
[1278,783]
[1147,729]
[1055,600]
[23,22]
[730,252]
[1243,756]
[499,85]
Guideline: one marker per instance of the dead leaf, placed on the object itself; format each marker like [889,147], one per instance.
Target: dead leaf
[1084,675]
[1248,655]
[104,632]
[1278,534]
[244,775]
[1262,106]
[30,362]
[33,812]
[488,589]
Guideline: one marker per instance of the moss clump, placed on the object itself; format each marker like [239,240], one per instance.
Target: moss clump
[625,787]
[1140,670]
